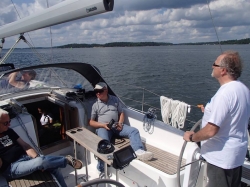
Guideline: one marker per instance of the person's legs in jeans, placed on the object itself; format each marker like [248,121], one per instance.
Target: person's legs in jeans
[106,135]
[133,134]
[135,141]
[26,165]
[58,175]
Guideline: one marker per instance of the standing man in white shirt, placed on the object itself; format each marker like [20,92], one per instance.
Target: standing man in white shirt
[224,131]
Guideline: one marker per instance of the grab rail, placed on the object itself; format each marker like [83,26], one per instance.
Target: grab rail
[140,103]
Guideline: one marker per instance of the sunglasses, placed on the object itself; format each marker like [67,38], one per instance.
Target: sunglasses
[216,65]
[99,91]
[6,123]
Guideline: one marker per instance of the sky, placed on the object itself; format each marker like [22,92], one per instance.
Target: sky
[174,21]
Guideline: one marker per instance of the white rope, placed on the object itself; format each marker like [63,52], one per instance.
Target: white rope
[166,104]
[179,114]
[174,112]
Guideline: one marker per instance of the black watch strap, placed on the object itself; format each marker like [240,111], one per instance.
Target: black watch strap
[191,137]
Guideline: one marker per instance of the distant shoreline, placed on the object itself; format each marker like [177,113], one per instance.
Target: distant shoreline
[140,44]
[245,41]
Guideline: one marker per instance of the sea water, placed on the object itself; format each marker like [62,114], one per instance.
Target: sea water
[180,72]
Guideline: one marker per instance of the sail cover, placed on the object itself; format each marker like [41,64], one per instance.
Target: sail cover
[59,13]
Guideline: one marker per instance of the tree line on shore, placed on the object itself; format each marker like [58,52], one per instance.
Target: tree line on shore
[227,42]
[116,44]
[139,44]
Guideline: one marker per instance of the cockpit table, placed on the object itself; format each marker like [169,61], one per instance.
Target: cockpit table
[89,141]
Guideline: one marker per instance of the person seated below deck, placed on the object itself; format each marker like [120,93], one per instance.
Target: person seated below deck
[106,108]
[18,80]
[46,117]
[18,159]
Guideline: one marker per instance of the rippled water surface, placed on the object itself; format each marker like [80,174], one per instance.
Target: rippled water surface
[178,72]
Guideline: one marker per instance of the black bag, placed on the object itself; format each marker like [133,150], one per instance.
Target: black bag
[123,157]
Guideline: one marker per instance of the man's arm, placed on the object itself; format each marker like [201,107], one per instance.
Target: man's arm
[13,82]
[120,122]
[1,162]
[29,150]
[50,118]
[205,133]
[121,118]
[96,124]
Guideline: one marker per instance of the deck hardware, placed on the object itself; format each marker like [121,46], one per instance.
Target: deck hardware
[148,120]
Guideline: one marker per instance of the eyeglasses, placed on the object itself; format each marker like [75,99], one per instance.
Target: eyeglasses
[6,123]
[99,91]
[216,65]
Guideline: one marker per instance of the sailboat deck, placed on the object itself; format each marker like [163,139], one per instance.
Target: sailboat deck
[37,178]
[163,160]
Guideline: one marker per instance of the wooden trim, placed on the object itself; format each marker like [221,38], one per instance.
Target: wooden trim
[37,178]
[88,140]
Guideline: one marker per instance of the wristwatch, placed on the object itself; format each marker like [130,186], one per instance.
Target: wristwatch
[191,137]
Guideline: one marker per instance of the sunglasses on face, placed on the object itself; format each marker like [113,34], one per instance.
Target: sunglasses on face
[216,65]
[99,91]
[6,123]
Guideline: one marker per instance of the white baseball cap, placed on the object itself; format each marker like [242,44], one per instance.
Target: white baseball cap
[100,85]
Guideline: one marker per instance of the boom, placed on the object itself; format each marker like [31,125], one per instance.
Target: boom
[60,13]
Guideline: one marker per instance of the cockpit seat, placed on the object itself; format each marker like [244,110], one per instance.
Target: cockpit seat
[37,178]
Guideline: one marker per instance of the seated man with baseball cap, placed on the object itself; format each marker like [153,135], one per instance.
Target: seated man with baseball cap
[106,108]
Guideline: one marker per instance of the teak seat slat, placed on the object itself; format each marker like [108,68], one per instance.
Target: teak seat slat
[38,178]
[163,160]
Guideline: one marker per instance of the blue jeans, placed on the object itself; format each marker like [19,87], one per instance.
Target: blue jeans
[128,132]
[26,165]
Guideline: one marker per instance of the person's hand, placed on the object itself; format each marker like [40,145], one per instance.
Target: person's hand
[202,107]
[118,126]
[186,135]
[105,126]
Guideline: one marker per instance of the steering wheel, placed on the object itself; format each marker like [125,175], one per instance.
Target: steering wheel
[100,181]
[181,154]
